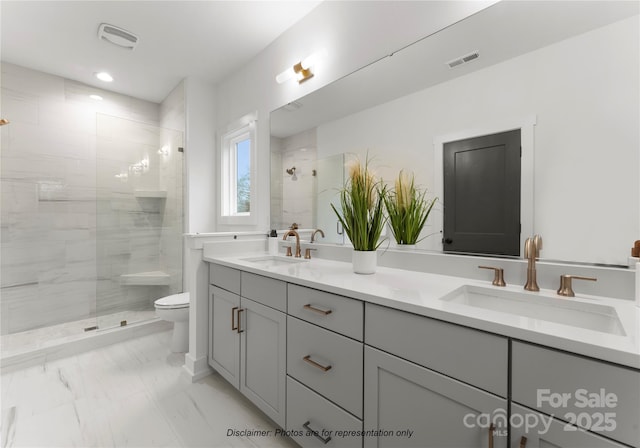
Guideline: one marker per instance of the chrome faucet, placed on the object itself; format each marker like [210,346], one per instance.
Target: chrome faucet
[292,232]
[313,235]
[532,248]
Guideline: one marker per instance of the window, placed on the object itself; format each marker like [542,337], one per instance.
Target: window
[237,165]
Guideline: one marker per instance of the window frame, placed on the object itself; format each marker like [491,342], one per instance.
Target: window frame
[240,130]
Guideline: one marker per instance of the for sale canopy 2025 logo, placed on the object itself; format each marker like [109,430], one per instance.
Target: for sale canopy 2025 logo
[585,409]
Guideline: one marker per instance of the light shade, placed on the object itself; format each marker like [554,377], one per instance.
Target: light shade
[104,76]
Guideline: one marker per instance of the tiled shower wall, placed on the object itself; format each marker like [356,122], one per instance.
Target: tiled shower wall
[55,204]
[294,200]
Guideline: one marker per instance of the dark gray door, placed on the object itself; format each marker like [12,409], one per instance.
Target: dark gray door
[482,194]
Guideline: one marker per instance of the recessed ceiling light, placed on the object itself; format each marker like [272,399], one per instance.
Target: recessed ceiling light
[96,97]
[104,76]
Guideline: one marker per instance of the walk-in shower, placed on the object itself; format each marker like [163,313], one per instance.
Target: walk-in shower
[92,211]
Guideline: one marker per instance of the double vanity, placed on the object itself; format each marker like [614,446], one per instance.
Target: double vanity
[403,358]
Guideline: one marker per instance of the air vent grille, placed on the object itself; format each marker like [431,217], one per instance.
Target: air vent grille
[117,36]
[463,59]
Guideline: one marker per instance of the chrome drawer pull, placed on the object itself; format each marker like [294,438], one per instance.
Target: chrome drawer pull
[315,364]
[316,433]
[316,310]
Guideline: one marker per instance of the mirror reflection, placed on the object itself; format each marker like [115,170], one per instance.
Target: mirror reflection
[570,84]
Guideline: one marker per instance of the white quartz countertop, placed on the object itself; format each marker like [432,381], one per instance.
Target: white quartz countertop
[421,293]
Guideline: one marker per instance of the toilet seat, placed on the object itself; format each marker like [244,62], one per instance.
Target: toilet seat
[173,302]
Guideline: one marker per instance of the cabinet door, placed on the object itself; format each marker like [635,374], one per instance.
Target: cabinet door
[544,431]
[263,358]
[416,407]
[224,343]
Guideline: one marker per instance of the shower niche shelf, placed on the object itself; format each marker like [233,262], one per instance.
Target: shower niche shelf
[158,194]
[151,278]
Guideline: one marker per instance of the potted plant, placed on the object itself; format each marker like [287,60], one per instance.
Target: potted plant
[362,214]
[408,210]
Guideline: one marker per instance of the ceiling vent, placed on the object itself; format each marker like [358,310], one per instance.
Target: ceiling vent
[292,106]
[463,59]
[117,36]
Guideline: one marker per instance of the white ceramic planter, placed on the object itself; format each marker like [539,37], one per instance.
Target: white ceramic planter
[406,246]
[364,261]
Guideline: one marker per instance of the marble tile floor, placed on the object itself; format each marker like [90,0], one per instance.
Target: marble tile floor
[130,394]
[26,341]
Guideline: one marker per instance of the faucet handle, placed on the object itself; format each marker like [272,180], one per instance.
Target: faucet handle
[498,279]
[565,284]
[307,253]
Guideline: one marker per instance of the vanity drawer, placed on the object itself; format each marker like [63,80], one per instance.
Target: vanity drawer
[308,410]
[337,372]
[541,376]
[337,313]
[265,290]
[472,356]
[224,277]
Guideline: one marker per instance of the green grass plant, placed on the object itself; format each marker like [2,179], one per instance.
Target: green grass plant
[407,209]
[362,207]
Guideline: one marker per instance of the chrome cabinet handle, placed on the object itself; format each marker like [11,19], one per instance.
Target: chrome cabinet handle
[310,307]
[238,329]
[316,433]
[233,321]
[310,361]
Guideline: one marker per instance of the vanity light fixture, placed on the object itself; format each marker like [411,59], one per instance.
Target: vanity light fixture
[302,70]
[104,76]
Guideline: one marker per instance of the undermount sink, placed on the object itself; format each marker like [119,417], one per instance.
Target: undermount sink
[274,260]
[591,316]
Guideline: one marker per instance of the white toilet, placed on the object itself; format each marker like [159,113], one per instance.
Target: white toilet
[175,308]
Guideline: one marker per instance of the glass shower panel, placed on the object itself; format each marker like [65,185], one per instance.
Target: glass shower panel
[139,170]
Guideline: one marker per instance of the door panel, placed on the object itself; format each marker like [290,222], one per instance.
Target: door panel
[263,360]
[482,194]
[225,341]
[421,408]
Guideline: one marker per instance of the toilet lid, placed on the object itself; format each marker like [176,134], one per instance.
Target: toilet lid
[174,301]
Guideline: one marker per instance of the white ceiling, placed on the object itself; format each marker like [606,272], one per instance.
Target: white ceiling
[206,39]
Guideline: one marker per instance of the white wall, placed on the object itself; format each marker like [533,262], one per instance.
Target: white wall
[200,144]
[353,34]
[586,108]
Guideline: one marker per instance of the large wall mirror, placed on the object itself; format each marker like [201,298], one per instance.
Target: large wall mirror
[565,73]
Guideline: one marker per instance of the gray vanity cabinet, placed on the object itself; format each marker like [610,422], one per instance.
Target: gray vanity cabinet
[543,431]
[324,368]
[432,384]
[248,341]
[598,396]
[421,408]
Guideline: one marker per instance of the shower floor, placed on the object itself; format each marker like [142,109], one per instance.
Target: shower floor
[41,339]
